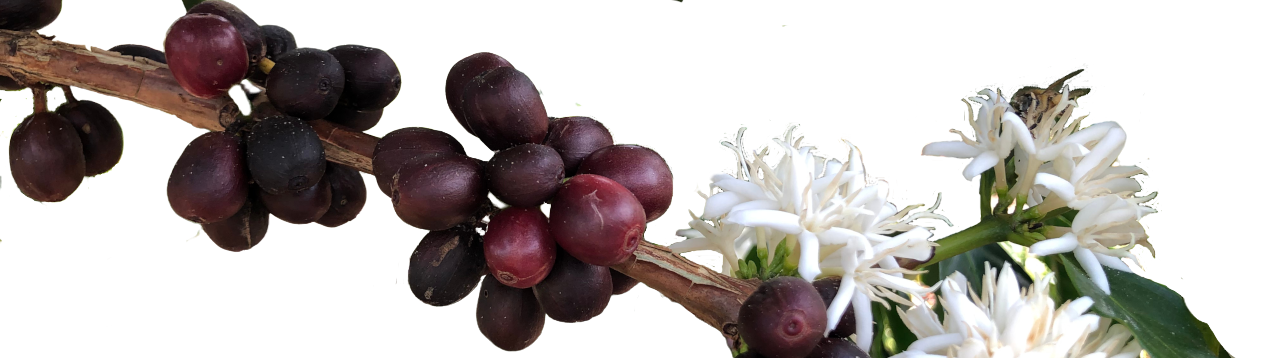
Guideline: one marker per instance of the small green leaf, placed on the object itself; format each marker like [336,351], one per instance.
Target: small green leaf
[1157,315]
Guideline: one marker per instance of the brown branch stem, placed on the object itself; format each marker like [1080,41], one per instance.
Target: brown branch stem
[31,59]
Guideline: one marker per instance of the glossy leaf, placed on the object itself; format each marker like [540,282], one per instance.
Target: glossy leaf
[971,265]
[190,3]
[1157,315]
[1062,289]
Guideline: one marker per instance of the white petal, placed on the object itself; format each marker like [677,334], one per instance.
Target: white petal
[765,204]
[953,149]
[808,256]
[1088,215]
[773,219]
[839,235]
[918,252]
[1066,243]
[938,343]
[1108,147]
[1057,185]
[689,233]
[692,244]
[862,314]
[748,190]
[1079,306]
[720,204]
[1016,127]
[1089,261]
[984,161]
[840,303]
[1113,262]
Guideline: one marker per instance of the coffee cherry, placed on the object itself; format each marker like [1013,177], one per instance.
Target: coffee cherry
[461,74]
[446,266]
[46,157]
[525,175]
[503,109]
[284,154]
[575,138]
[305,83]
[596,220]
[348,195]
[837,348]
[27,15]
[783,318]
[299,207]
[373,80]
[575,291]
[241,231]
[277,41]
[509,317]
[437,192]
[250,32]
[621,282]
[100,134]
[209,183]
[641,170]
[827,288]
[397,147]
[205,54]
[353,118]
[518,247]
[140,51]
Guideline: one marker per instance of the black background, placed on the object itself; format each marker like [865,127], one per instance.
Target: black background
[113,257]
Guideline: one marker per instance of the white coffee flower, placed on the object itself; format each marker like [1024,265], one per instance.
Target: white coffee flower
[1083,167]
[823,207]
[1101,234]
[995,130]
[1007,322]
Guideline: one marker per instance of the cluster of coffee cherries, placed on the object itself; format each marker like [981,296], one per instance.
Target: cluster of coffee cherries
[50,153]
[533,265]
[271,162]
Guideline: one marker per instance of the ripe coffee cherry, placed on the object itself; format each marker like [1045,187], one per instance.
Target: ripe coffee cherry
[641,170]
[46,157]
[348,195]
[249,31]
[277,41]
[503,109]
[299,207]
[837,348]
[397,147]
[621,282]
[139,51]
[575,138]
[575,291]
[241,231]
[353,118]
[9,84]
[525,175]
[209,183]
[27,15]
[518,247]
[783,318]
[373,80]
[446,266]
[205,54]
[461,74]
[437,192]
[509,317]
[99,132]
[284,154]
[596,220]
[305,83]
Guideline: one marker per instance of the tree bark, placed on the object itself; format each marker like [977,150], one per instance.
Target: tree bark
[30,59]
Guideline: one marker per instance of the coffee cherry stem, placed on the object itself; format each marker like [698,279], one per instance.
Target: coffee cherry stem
[38,92]
[265,65]
[66,91]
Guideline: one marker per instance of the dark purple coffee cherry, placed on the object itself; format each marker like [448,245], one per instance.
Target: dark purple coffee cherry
[596,220]
[348,195]
[509,317]
[461,74]
[277,41]
[397,147]
[46,157]
[575,291]
[503,109]
[249,31]
[353,118]
[621,282]
[139,51]
[373,80]
[241,231]
[525,175]
[575,138]
[285,154]
[641,170]
[27,15]
[438,191]
[446,266]
[518,247]
[783,318]
[205,54]
[299,207]
[305,83]
[209,182]
[100,134]
[837,348]
[827,288]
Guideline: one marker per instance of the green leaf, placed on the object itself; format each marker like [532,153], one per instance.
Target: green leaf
[1157,315]
[1211,340]
[985,184]
[1062,289]
[190,3]
[971,265]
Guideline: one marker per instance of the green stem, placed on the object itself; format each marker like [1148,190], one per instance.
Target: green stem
[991,229]
[985,185]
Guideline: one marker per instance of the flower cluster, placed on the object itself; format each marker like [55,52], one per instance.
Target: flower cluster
[1060,164]
[1008,322]
[842,224]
